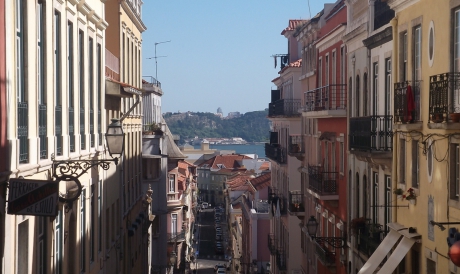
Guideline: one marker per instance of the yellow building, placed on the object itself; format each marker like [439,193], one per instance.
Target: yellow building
[426,140]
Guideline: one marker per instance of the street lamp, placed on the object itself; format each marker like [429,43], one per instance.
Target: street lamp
[312,227]
[70,170]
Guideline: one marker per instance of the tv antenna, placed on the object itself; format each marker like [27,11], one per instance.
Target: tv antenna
[156,57]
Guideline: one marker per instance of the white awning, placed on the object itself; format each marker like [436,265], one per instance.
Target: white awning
[380,253]
[397,256]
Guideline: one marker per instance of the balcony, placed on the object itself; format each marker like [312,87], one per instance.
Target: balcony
[404,100]
[296,147]
[369,238]
[296,206]
[176,236]
[277,201]
[326,101]
[112,66]
[444,96]
[272,243]
[284,108]
[281,260]
[151,142]
[323,184]
[371,133]
[326,256]
[276,153]
[150,84]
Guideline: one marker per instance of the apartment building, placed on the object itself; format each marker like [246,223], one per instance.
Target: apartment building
[47,46]
[369,42]
[282,151]
[4,165]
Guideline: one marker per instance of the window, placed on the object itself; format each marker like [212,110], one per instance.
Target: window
[81,76]
[41,80]
[403,54]
[455,173]
[357,97]
[456,56]
[334,67]
[320,72]
[91,90]
[375,195]
[357,197]
[57,82]
[402,161]
[82,230]
[23,113]
[365,96]
[70,86]
[343,69]
[92,229]
[375,94]
[327,70]
[387,86]
[172,183]
[58,240]
[173,224]
[342,157]
[42,258]
[99,214]
[415,164]
[99,92]
[417,73]
[388,198]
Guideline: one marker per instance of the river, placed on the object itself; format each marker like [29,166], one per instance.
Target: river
[258,149]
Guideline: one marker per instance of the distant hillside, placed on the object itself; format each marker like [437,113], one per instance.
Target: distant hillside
[251,126]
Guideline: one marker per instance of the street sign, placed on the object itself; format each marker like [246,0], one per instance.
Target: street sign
[33,197]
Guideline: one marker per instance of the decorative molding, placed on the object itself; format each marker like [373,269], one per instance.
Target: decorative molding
[331,38]
[84,8]
[102,24]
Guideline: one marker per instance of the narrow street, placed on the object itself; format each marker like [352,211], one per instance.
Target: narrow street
[205,235]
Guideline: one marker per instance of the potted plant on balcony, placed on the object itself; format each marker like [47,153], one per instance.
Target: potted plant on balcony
[437,115]
[454,116]
[410,196]
[399,192]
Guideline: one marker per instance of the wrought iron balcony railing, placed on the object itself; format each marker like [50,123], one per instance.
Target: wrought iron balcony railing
[296,204]
[444,96]
[42,131]
[330,97]
[322,182]
[371,133]
[272,243]
[407,102]
[23,132]
[369,238]
[296,145]
[281,260]
[284,108]
[326,256]
[276,200]
[275,152]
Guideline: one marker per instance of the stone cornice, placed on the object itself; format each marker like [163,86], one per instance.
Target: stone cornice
[135,18]
[73,2]
[399,5]
[379,38]
[102,24]
[84,8]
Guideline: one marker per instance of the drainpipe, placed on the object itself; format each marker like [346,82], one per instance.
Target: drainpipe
[394,68]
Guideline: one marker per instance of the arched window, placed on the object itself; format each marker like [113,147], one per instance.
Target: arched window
[365,196]
[357,200]
[350,96]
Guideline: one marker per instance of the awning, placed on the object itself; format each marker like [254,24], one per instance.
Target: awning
[397,256]
[396,232]
[119,89]
[380,253]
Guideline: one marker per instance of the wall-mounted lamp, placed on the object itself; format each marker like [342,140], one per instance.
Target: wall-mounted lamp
[70,170]
[453,240]
[312,227]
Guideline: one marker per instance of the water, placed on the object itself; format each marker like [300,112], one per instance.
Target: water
[258,149]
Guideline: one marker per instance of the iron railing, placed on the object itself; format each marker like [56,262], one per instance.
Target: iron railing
[371,133]
[444,95]
[281,260]
[322,182]
[284,107]
[275,199]
[407,102]
[330,97]
[42,131]
[176,236]
[296,145]
[23,132]
[58,129]
[296,201]
[71,129]
[272,243]
[326,256]
[275,152]
[369,238]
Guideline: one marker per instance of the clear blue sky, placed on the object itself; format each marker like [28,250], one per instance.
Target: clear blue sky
[219,54]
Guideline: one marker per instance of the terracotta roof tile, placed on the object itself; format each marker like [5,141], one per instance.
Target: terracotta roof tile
[262,181]
[293,23]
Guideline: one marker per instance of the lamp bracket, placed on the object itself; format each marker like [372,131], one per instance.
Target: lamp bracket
[336,242]
[76,168]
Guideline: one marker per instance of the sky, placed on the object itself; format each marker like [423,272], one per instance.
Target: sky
[219,54]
